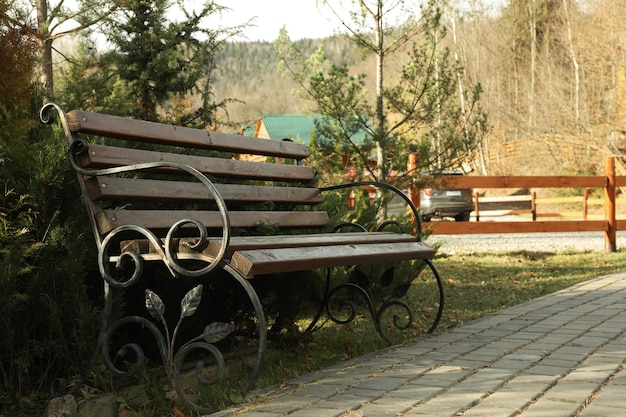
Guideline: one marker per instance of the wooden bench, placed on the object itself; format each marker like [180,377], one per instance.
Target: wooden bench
[195,200]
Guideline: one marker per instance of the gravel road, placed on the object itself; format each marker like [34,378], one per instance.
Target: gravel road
[544,242]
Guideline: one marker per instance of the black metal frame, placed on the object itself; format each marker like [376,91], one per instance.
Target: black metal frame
[111,259]
[376,312]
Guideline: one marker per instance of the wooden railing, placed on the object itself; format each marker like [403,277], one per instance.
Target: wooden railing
[607,182]
[531,199]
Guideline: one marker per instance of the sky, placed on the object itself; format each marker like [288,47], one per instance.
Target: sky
[301,18]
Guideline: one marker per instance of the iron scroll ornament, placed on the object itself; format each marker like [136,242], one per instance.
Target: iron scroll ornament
[78,147]
[361,287]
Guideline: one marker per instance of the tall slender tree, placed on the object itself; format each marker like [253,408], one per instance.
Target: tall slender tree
[54,20]
[404,104]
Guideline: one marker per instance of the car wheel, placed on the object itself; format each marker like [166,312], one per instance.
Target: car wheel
[426,218]
[462,217]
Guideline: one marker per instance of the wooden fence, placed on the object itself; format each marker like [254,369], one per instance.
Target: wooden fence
[607,182]
[531,199]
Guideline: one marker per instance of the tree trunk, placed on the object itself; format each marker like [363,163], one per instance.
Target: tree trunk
[532,23]
[381,169]
[45,42]
[574,63]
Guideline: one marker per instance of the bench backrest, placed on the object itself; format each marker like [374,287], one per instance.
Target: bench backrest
[263,182]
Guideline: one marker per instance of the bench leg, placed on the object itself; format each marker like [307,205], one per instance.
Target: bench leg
[441,303]
[383,298]
[175,355]
[262,324]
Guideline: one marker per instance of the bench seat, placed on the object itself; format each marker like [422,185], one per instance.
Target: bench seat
[267,261]
[261,255]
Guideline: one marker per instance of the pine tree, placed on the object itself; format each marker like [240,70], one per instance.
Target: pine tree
[415,111]
[164,62]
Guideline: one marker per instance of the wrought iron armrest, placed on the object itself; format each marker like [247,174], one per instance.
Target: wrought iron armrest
[380,304]
[388,187]
[167,250]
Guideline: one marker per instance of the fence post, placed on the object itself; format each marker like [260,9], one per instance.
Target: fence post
[609,205]
[477,206]
[414,192]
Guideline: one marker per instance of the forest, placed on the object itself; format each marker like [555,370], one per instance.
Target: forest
[552,74]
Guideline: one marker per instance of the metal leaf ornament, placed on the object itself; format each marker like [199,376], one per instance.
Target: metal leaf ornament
[191,301]
[155,305]
[215,332]
[400,291]
[360,279]
[387,278]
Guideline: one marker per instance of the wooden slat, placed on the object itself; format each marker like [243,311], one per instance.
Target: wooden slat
[142,131]
[162,220]
[244,243]
[100,156]
[129,189]
[268,261]
[505,199]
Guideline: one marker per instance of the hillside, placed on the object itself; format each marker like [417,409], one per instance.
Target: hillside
[248,72]
[560,111]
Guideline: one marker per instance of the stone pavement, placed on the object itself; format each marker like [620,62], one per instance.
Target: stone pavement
[559,355]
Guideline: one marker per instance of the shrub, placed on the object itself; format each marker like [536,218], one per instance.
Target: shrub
[47,317]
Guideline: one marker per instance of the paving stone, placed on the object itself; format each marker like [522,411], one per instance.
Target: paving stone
[316,391]
[527,389]
[406,403]
[381,384]
[381,410]
[545,408]
[620,379]
[541,369]
[432,381]
[571,391]
[317,412]
[596,410]
[254,413]
[457,399]
[480,384]
[433,410]
[506,402]
[415,392]
[345,402]
[611,396]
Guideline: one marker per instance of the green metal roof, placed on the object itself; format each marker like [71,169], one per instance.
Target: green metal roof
[297,127]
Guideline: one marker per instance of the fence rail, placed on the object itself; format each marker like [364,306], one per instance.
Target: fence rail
[606,182]
[479,202]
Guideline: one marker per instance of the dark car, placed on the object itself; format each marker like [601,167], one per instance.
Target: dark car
[448,202]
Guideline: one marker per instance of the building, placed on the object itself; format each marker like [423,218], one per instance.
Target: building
[297,127]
